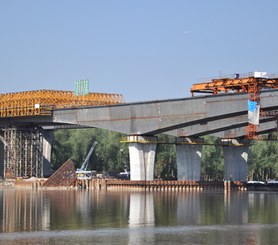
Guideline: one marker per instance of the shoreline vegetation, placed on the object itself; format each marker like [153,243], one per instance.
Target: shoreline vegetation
[112,154]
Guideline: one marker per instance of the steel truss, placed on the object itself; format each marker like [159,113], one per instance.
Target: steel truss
[23,152]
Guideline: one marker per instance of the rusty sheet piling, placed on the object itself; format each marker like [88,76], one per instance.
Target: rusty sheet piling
[158,185]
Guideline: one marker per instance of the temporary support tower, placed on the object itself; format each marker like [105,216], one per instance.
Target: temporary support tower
[23,152]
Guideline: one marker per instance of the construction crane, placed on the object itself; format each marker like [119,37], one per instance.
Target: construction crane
[251,83]
[82,172]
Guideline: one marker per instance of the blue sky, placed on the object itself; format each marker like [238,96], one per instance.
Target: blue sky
[143,49]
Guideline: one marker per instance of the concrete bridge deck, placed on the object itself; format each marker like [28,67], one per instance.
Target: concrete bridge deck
[185,117]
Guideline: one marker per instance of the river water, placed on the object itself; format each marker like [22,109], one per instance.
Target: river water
[130,217]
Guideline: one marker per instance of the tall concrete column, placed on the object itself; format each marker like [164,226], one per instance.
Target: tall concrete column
[1,155]
[142,151]
[189,154]
[235,161]
[47,145]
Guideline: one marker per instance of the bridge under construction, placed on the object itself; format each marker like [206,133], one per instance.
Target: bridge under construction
[23,138]
[27,120]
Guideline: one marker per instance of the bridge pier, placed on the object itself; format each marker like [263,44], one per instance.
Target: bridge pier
[47,145]
[142,151]
[235,160]
[189,154]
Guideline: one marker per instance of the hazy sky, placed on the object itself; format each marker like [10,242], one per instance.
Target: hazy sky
[143,49]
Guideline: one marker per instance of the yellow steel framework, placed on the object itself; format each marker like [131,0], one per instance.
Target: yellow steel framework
[41,102]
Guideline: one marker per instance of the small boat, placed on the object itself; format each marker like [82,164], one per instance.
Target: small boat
[256,185]
[270,185]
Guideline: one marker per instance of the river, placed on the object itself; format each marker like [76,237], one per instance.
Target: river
[130,217]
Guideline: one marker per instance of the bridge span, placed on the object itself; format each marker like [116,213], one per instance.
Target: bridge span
[187,119]
[223,115]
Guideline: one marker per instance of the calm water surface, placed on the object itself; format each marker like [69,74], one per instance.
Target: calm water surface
[115,217]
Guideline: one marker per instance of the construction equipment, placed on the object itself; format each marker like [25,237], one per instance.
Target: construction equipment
[237,83]
[82,172]
[251,83]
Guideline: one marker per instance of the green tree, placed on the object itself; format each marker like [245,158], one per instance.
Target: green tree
[112,155]
[165,164]
[212,165]
[75,144]
[263,162]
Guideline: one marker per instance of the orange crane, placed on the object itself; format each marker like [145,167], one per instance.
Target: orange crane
[251,83]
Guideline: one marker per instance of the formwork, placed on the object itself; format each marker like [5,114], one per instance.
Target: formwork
[23,152]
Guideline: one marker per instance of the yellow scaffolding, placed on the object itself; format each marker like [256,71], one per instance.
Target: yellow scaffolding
[41,102]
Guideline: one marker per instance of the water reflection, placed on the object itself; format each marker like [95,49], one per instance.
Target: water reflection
[101,217]
[141,213]
[24,211]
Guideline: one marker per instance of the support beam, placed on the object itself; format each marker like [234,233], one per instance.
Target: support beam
[235,161]
[142,151]
[189,154]
[47,145]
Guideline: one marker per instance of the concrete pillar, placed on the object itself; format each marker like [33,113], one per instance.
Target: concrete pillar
[1,155]
[47,144]
[189,154]
[142,151]
[235,161]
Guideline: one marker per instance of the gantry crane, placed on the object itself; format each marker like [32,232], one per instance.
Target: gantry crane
[251,83]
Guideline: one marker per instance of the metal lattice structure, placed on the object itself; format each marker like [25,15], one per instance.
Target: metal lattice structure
[23,155]
[247,83]
[23,147]
[65,176]
[235,84]
[41,102]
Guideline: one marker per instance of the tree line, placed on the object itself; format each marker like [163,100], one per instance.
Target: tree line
[111,154]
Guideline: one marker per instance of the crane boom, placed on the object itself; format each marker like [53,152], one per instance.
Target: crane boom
[86,161]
